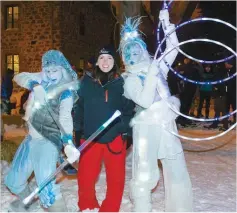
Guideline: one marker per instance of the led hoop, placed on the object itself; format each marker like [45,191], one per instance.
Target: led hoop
[202,139]
[192,21]
[189,41]
[200,82]
[202,61]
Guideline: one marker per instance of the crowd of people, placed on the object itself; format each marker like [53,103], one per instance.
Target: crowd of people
[193,96]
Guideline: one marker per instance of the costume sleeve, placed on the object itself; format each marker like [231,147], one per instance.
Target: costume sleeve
[28,80]
[142,95]
[171,41]
[65,116]
[162,86]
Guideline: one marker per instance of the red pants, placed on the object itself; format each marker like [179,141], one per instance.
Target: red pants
[88,172]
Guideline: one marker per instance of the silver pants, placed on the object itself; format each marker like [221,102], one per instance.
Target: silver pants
[150,143]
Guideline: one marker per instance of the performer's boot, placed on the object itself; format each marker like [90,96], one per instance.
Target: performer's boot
[18,206]
[58,206]
[140,196]
[142,204]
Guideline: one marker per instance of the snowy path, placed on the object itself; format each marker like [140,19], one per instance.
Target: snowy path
[213,176]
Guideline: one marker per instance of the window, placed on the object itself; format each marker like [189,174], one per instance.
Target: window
[13,63]
[82,24]
[81,63]
[12,17]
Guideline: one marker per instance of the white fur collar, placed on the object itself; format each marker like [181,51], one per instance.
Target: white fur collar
[138,68]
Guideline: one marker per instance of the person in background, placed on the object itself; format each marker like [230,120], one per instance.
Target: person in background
[80,73]
[90,66]
[231,88]
[191,71]
[6,91]
[219,94]
[205,92]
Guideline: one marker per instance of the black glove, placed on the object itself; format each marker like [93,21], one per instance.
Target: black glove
[128,138]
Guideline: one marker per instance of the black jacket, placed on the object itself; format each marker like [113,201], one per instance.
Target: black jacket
[219,89]
[92,109]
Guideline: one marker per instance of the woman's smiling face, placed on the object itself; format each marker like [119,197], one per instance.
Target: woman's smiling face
[105,62]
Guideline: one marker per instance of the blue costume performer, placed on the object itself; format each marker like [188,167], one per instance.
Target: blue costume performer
[52,97]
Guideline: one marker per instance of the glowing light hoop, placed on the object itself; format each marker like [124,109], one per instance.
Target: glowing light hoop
[189,41]
[189,117]
[202,139]
[199,82]
[192,21]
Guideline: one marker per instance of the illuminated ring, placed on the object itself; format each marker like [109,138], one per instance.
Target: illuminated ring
[200,82]
[228,58]
[192,21]
[189,41]
[189,117]
[208,149]
[201,139]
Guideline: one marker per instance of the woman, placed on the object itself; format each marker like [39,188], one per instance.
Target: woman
[99,97]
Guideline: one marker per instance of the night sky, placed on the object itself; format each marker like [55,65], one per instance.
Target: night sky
[226,11]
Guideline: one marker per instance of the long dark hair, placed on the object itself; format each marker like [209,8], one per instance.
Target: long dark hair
[103,77]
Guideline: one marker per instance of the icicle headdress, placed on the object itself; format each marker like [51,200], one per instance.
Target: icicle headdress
[130,34]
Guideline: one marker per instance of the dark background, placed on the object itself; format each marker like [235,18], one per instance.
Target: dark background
[226,11]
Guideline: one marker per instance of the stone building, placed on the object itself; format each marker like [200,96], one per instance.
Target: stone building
[29,28]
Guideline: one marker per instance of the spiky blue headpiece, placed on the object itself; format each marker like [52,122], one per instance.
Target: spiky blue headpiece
[130,33]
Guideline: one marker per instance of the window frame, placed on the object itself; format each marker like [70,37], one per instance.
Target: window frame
[13,63]
[81,63]
[13,21]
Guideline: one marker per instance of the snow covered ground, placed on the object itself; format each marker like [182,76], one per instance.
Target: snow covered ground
[211,164]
